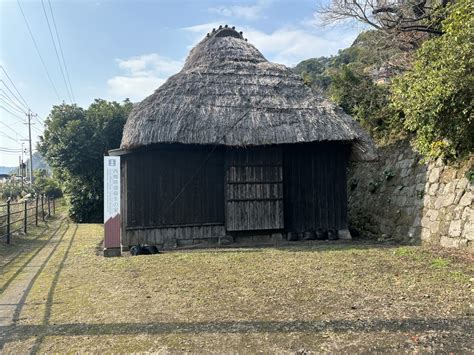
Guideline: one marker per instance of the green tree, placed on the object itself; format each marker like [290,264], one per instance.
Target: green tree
[43,184]
[74,143]
[367,102]
[435,96]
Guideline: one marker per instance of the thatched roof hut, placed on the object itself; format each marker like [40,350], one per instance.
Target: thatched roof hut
[228,94]
[274,151]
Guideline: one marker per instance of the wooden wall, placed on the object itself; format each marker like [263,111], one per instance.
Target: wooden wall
[254,189]
[315,186]
[172,237]
[188,192]
[174,186]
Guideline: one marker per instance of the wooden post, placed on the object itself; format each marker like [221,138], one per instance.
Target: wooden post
[49,207]
[42,207]
[54,206]
[36,211]
[25,217]
[8,221]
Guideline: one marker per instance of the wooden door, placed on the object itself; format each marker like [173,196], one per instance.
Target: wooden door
[254,189]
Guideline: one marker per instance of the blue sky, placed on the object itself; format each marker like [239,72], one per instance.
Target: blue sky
[119,49]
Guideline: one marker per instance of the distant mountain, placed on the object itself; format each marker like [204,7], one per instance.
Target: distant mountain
[38,163]
[6,169]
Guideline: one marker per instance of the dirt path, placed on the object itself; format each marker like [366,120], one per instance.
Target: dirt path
[15,290]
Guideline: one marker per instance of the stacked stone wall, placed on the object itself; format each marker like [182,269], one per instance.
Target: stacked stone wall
[401,198]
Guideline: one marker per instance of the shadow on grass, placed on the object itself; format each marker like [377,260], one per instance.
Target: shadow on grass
[299,246]
[21,303]
[18,333]
[40,246]
[22,243]
[52,289]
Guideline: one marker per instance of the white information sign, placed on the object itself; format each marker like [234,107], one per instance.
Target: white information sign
[111,187]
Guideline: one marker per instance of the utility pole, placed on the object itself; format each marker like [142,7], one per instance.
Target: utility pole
[31,150]
[22,169]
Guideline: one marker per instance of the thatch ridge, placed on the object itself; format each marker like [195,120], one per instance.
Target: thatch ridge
[227,93]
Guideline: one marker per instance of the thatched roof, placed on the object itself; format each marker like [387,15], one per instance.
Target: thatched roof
[228,94]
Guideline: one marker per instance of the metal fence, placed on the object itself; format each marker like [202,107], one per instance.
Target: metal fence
[18,216]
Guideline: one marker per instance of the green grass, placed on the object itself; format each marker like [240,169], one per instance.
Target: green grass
[439,263]
[325,298]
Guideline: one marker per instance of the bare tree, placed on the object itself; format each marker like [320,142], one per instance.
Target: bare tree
[406,21]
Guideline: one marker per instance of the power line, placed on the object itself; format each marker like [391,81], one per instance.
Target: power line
[38,51]
[11,113]
[38,121]
[56,51]
[12,102]
[17,103]
[6,149]
[11,129]
[10,106]
[11,92]
[41,120]
[37,130]
[12,153]
[8,136]
[61,49]
[14,86]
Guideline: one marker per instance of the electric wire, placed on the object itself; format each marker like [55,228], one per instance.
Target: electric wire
[38,51]
[10,101]
[9,90]
[10,106]
[16,89]
[6,149]
[17,103]
[11,129]
[61,49]
[56,51]
[11,113]
[8,136]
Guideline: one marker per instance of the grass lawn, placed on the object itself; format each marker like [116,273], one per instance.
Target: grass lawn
[349,297]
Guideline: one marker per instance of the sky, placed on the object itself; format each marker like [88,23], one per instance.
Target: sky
[126,49]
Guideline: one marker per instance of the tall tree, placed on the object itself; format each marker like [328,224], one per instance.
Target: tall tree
[74,143]
[404,22]
[436,95]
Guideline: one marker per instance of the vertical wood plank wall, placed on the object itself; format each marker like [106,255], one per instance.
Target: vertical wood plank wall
[171,187]
[315,186]
[254,189]
[291,187]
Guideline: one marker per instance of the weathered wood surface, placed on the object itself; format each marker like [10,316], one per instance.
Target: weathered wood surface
[292,187]
[170,237]
[315,186]
[254,189]
[174,186]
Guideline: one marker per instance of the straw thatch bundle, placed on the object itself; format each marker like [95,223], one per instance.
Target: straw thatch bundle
[227,93]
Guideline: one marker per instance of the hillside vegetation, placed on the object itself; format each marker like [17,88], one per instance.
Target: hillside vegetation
[424,93]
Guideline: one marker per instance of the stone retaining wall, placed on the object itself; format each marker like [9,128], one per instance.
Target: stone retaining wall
[403,199]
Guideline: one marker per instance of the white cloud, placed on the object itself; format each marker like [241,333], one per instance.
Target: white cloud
[142,75]
[199,31]
[202,29]
[252,12]
[289,46]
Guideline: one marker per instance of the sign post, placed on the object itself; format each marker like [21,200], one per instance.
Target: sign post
[112,243]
